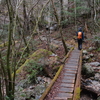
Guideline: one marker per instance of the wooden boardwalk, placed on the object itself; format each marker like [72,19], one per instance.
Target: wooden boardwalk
[69,88]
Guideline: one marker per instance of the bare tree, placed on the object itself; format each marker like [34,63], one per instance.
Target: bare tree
[59,23]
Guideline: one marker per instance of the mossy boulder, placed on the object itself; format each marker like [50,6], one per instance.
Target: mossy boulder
[41,53]
[39,60]
[87,70]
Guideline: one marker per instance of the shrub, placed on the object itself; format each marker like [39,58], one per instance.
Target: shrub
[34,69]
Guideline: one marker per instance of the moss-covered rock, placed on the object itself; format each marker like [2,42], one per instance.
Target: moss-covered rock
[41,53]
[37,62]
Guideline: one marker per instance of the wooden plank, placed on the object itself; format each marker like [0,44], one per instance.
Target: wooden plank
[70,71]
[67,81]
[65,90]
[60,98]
[72,64]
[68,95]
[69,78]
[69,74]
[67,85]
[70,68]
[73,60]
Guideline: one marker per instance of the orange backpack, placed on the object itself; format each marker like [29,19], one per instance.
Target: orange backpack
[79,35]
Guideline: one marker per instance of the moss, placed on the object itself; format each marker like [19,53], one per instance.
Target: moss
[4,44]
[77,93]
[35,56]
[40,53]
[22,49]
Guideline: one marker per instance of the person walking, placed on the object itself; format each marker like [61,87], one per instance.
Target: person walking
[80,37]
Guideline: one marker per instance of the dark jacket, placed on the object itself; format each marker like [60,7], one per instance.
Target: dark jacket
[80,30]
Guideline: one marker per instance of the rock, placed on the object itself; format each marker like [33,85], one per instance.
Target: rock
[98,98]
[51,60]
[23,83]
[86,57]
[91,48]
[85,52]
[85,97]
[52,28]
[31,87]
[94,64]
[91,55]
[39,89]
[91,85]
[34,91]
[53,55]
[39,79]
[97,77]
[96,69]
[88,70]
[37,97]
[47,80]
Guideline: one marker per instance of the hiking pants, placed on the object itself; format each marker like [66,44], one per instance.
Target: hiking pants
[79,44]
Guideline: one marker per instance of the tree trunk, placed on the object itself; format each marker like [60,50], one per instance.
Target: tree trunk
[25,25]
[10,93]
[55,11]
[61,11]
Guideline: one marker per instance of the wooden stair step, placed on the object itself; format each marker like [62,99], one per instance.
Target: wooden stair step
[68,78]
[71,71]
[63,96]
[70,68]
[69,74]
[66,90]
[67,85]
[67,81]
[73,59]
[60,98]
[71,64]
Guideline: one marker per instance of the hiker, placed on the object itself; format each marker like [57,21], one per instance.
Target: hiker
[80,38]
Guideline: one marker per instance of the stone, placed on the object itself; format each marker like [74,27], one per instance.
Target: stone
[94,64]
[86,57]
[92,84]
[91,55]
[98,98]
[85,52]
[89,69]
[31,87]
[91,48]
[97,76]
[39,79]
[96,85]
